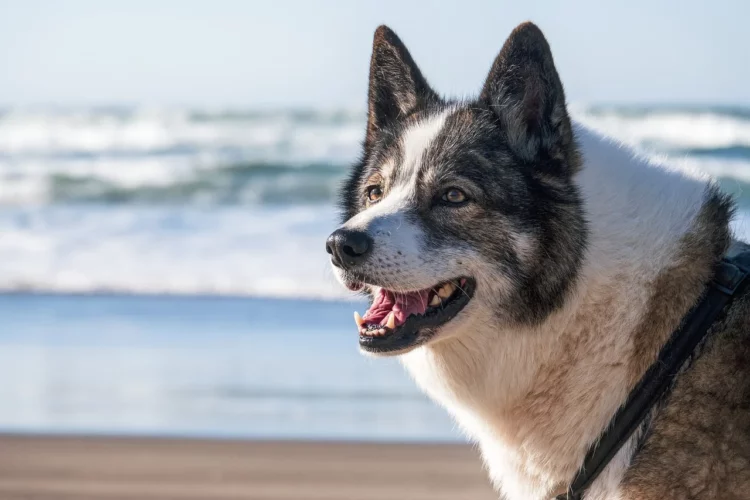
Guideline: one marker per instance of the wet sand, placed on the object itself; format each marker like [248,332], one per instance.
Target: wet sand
[88,468]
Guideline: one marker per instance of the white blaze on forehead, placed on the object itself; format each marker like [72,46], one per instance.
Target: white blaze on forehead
[415,141]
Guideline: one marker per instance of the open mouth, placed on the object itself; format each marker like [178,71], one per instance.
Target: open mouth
[398,321]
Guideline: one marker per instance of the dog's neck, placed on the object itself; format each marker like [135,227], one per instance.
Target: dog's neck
[535,398]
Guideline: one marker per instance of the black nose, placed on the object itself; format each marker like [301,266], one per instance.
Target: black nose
[347,247]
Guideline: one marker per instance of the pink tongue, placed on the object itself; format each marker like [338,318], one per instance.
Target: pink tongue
[402,305]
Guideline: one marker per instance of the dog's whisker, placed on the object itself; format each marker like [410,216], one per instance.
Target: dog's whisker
[464,292]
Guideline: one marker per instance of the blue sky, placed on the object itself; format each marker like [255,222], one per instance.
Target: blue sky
[316,53]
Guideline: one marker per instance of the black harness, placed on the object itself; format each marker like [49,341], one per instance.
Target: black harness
[729,280]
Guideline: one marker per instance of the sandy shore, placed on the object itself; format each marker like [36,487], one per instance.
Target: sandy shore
[88,468]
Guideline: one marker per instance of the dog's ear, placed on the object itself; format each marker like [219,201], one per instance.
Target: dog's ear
[396,84]
[524,91]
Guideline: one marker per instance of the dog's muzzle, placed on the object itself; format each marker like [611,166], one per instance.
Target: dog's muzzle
[348,248]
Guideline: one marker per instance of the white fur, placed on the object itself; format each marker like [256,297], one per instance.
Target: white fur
[416,140]
[484,376]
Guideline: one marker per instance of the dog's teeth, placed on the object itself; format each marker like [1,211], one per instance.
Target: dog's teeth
[391,322]
[435,301]
[381,331]
[446,290]
[358,319]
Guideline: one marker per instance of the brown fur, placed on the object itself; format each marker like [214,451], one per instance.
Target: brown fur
[699,444]
[676,289]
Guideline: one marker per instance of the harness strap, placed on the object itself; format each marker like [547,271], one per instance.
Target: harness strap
[730,278]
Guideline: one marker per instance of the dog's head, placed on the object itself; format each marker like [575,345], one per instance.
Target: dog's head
[460,210]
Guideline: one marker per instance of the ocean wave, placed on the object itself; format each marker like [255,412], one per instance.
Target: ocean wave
[741,152]
[133,156]
[670,129]
[302,134]
[632,110]
[231,251]
[243,183]
[169,181]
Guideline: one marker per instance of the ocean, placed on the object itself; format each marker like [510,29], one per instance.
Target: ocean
[164,271]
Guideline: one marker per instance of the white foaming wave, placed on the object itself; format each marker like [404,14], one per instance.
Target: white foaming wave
[669,129]
[31,181]
[49,132]
[228,251]
[24,132]
[156,149]
[725,168]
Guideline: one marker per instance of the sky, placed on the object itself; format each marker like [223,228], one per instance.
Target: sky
[287,53]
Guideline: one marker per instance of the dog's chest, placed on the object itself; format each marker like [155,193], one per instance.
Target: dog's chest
[434,376]
[451,385]
[464,401]
[462,388]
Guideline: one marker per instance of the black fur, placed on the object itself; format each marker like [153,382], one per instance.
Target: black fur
[512,150]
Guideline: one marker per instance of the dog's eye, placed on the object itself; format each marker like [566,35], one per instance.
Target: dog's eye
[454,195]
[374,193]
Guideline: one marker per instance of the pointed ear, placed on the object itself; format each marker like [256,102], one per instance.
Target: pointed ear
[525,92]
[396,84]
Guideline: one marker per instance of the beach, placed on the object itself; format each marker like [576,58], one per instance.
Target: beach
[174,397]
[86,468]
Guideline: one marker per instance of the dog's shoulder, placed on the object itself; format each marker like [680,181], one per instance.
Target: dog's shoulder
[699,443]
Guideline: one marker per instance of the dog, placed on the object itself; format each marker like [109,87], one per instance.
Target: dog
[527,271]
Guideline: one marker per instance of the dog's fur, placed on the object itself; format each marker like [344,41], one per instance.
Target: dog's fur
[586,258]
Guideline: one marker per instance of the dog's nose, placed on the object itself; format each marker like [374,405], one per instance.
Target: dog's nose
[347,247]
